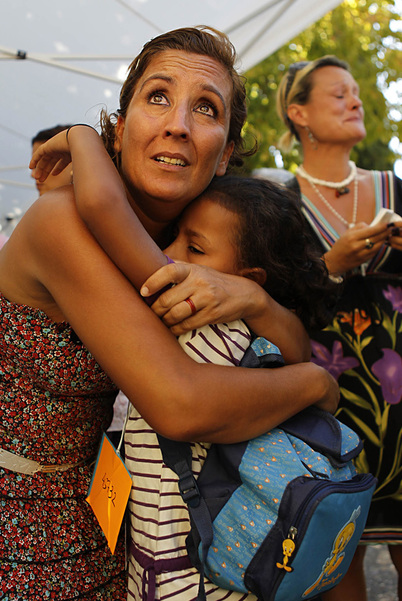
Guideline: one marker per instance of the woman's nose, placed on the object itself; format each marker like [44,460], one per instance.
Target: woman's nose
[356,101]
[178,123]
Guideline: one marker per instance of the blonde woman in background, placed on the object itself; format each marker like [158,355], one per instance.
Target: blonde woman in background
[319,103]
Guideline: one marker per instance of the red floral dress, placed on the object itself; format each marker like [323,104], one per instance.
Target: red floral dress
[55,402]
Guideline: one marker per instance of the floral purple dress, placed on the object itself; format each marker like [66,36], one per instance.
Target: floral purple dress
[55,402]
[362,349]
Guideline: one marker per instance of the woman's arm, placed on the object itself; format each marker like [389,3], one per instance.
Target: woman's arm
[220,298]
[178,397]
[102,204]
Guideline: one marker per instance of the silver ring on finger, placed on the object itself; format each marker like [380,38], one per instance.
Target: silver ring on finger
[369,244]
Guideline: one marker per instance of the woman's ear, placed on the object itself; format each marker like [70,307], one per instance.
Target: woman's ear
[223,163]
[257,274]
[119,133]
[297,114]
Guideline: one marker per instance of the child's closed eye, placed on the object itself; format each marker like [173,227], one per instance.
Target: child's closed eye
[195,250]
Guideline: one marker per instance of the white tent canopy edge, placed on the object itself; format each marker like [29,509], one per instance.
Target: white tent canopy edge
[63,61]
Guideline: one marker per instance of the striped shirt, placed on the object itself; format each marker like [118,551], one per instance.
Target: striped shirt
[159,521]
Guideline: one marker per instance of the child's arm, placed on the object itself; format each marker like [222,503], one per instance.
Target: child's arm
[101,200]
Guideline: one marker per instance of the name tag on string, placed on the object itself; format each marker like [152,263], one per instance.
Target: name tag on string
[109,491]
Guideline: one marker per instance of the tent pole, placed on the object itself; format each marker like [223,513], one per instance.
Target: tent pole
[22,55]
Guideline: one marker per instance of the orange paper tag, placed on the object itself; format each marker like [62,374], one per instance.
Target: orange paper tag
[109,491]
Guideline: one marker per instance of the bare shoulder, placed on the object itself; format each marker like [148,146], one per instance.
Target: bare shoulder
[54,244]
[51,212]
[53,227]
[365,175]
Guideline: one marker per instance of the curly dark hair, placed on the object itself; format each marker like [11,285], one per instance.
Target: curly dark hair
[273,235]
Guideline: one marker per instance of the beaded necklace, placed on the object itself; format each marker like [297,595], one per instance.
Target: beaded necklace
[340,187]
[334,212]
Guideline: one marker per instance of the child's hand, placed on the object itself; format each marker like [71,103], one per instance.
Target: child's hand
[51,157]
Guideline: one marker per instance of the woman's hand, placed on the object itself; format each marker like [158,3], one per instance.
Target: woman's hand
[330,399]
[203,296]
[214,296]
[395,235]
[356,246]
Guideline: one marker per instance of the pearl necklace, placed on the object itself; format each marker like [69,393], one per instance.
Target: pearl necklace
[340,187]
[334,212]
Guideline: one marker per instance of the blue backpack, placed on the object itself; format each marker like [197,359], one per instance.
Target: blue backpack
[279,516]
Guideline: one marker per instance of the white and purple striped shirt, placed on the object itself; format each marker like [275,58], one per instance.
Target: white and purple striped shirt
[159,521]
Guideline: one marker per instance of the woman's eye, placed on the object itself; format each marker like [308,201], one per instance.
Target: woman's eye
[194,250]
[157,98]
[207,109]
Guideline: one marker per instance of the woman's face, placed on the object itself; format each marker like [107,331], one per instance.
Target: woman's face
[334,112]
[206,235]
[174,138]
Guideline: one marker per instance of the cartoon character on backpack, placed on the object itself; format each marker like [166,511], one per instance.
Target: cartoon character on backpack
[337,553]
[288,547]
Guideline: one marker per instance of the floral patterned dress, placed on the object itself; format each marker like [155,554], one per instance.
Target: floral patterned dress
[362,349]
[55,401]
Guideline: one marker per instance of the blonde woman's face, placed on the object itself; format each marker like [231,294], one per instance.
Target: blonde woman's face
[334,112]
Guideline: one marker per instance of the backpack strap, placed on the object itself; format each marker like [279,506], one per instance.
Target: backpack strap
[325,434]
[153,567]
[262,353]
[177,456]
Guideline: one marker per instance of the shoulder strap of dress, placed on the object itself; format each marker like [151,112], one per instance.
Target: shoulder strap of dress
[325,234]
[384,189]
[384,198]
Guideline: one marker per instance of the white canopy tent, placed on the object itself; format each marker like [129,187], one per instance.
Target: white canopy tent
[61,61]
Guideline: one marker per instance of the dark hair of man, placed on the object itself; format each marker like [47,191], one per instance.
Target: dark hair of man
[45,134]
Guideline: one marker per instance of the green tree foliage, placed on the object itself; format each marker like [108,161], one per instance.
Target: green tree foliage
[359,32]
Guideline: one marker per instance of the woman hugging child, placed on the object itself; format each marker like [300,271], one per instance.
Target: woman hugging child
[241,226]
